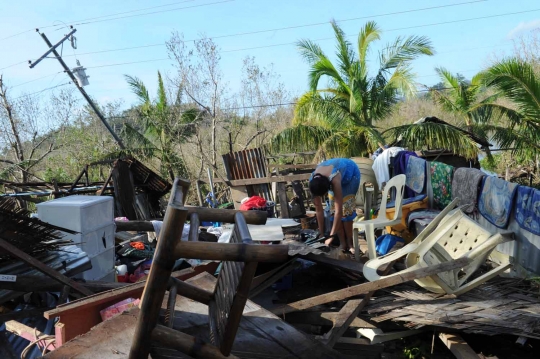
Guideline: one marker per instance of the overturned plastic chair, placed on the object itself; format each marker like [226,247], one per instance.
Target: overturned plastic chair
[369,226]
[451,235]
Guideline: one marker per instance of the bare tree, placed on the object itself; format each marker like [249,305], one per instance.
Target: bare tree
[29,130]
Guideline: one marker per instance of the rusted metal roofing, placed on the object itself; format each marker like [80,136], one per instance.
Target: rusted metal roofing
[146,179]
[248,164]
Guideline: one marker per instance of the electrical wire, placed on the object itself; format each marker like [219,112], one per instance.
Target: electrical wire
[39,78]
[41,91]
[290,27]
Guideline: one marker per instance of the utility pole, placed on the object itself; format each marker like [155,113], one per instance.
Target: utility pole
[72,77]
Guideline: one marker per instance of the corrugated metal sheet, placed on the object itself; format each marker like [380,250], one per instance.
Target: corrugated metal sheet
[69,261]
[147,179]
[248,164]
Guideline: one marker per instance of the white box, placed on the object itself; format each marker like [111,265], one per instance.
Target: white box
[78,213]
[102,265]
[96,241]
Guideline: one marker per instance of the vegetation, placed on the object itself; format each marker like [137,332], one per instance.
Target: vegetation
[339,119]
[350,109]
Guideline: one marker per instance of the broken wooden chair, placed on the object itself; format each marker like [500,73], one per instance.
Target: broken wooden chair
[451,235]
[226,302]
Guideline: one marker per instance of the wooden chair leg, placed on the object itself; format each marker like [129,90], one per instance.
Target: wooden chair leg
[156,284]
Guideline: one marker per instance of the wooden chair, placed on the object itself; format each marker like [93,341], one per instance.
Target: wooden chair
[226,303]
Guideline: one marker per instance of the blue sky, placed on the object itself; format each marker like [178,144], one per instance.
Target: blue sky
[464,47]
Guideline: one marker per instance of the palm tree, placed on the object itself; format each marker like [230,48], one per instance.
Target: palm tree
[162,127]
[339,119]
[462,98]
[517,81]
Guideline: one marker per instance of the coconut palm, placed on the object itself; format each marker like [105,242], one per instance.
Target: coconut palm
[517,81]
[465,100]
[339,119]
[160,128]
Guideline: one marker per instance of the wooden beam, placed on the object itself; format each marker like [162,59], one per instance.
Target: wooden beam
[38,283]
[262,282]
[31,334]
[458,346]
[263,180]
[348,313]
[238,252]
[28,259]
[352,266]
[323,319]
[205,214]
[363,288]
[283,202]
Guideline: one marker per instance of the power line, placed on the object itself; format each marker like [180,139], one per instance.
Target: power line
[39,78]
[290,27]
[38,92]
[109,15]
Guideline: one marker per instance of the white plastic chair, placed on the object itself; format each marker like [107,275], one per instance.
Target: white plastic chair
[369,226]
[451,235]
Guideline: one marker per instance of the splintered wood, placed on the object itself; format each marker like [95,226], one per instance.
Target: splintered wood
[500,306]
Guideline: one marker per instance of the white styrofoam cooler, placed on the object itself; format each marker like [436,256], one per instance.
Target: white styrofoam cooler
[96,241]
[78,213]
[102,266]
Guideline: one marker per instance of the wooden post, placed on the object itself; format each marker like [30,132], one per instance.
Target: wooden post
[28,259]
[161,269]
[199,194]
[283,203]
[194,224]
[458,346]
[363,288]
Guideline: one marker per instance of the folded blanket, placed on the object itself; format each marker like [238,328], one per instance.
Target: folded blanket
[441,183]
[465,185]
[496,200]
[416,174]
[528,209]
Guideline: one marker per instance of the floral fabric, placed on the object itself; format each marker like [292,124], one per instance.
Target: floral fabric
[496,199]
[528,209]
[441,183]
[416,174]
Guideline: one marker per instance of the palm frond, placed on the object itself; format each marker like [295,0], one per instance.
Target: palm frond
[370,32]
[330,112]
[435,136]
[162,96]
[345,53]
[405,50]
[517,81]
[138,88]
[300,138]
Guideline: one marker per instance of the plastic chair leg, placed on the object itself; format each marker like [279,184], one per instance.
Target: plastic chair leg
[370,239]
[356,245]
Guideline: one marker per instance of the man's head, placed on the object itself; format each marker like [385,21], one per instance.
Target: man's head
[319,185]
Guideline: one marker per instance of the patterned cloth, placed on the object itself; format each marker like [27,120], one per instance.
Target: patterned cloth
[441,182]
[496,200]
[465,187]
[416,174]
[400,168]
[350,181]
[528,209]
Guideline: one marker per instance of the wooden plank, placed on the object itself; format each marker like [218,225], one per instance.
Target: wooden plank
[238,252]
[252,181]
[458,346]
[271,277]
[367,287]
[28,259]
[348,313]
[39,283]
[352,266]
[31,334]
[323,319]
[21,314]
[283,202]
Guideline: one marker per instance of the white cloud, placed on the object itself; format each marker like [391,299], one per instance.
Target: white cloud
[523,27]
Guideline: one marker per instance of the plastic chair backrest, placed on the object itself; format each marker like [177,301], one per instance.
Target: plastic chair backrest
[399,183]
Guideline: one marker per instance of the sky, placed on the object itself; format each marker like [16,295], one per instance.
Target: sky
[466,34]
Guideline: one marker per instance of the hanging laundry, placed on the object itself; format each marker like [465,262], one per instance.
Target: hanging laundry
[528,209]
[400,168]
[496,200]
[441,183]
[465,186]
[416,174]
[380,164]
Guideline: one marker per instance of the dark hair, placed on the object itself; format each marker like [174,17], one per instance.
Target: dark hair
[319,185]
